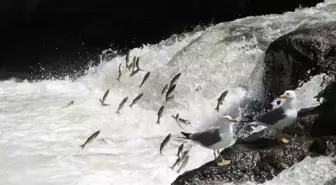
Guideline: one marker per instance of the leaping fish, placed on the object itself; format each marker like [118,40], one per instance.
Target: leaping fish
[160,114]
[175,78]
[102,101]
[179,151]
[69,104]
[134,72]
[220,100]
[164,89]
[179,159]
[134,63]
[136,99]
[137,64]
[144,79]
[178,119]
[90,139]
[165,141]
[184,163]
[170,90]
[118,78]
[127,58]
[121,105]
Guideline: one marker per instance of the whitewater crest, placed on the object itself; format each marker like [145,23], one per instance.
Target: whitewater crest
[39,138]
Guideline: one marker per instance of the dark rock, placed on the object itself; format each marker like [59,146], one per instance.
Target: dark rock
[326,119]
[261,156]
[297,56]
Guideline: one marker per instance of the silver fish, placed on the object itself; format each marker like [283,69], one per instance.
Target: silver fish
[134,63]
[175,78]
[220,100]
[184,121]
[179,151]
[127,58]
[90,139]
[170,90]
[144,79]
[130,66]
[164,142]
[134,72]
[177,119]
[179,159]
[184,163]
[69,104]
[160,114]
[121,105]
[104,98]
[170,98]
[136,99]
[137,64]
[164,89]
[119,72]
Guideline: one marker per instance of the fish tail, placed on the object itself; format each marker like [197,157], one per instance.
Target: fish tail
[217,108]
[131,105]
[82,146]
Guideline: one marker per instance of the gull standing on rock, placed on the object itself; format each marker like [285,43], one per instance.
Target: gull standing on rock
[216,138]
[282,116]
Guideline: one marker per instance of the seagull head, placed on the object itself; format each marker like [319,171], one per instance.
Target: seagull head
[229,118]
[288,95]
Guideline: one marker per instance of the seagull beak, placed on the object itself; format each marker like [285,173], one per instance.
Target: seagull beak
[282,96]
[233,120]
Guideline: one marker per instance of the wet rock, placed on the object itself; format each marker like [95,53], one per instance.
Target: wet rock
[297,56]
[261,156]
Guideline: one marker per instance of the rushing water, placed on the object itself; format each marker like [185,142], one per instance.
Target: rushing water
[39,138]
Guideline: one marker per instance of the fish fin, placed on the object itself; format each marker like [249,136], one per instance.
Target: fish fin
[187,135]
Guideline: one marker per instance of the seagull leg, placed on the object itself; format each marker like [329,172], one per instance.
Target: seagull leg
[224,162]
[214,155]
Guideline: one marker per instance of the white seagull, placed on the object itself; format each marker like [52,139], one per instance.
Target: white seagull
[216,138]
[282,116]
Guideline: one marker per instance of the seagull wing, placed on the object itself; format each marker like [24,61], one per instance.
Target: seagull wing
[271,117]
[207,138]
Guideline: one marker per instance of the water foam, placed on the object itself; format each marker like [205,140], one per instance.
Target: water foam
[40,139]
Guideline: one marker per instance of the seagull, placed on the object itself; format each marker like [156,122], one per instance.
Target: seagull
[281,116]
[216,138]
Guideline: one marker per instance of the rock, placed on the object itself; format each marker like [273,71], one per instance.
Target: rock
[298,55]
[262,156]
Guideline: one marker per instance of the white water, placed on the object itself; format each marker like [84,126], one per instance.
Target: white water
[39,140]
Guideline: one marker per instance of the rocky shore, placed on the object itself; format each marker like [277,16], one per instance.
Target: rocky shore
[290,59]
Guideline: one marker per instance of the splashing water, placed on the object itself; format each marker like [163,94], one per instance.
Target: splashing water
[39,138]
